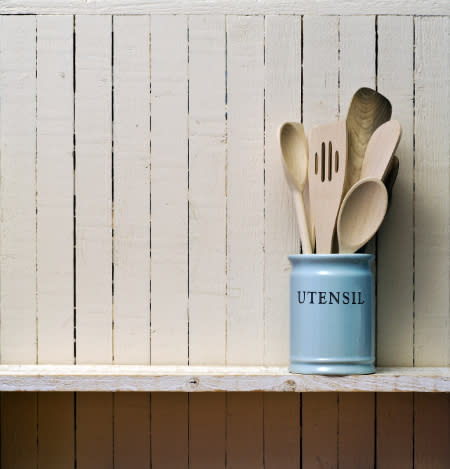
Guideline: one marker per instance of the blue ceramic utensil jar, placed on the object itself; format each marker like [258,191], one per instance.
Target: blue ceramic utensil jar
[332,323]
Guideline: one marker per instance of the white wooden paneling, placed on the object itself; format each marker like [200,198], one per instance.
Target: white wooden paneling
[131,430]
[18,189]
[94,430]
[54,186]
[56,431]
[282,103]
[207,190]
[207,430]
[356,69]
[245,189]
[394,433]
[169,186]
[241,7]
[18,433]
[320,105]
[432,197]
[93,189]
[131,134]
[395,239]
[169,431]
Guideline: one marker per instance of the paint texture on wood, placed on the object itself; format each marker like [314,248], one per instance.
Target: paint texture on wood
[395,239]
[54,189]
[207,190]
[245,189]
[282,104]
[93,189]
[432,196]
[169,186]
[131,133]
[18,189]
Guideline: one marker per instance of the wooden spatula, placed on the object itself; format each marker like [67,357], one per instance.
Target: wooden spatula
[326,174]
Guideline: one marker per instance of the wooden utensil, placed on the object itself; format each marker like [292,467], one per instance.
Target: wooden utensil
[391,176]
[294,150]
[361,214]
[326,175]
[380,150]
[368,110]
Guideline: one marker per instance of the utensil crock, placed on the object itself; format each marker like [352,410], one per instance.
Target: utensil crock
[332,322]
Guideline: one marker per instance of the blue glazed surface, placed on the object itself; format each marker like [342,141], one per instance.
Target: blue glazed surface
[332,323]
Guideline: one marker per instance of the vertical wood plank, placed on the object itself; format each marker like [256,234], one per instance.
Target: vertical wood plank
[94,430]
[432,197]
[18,189]
[169,430]
[245,186]
[18,430]
[131,133]
[207,190]
[281,430]
[356,430]
[56,430]
[169,179]
[282,103]
[131,430]
[431,430]
[320,430]
[244,430]
[394,430]
[320,105]
[93,189]
[395,238]
[54,181]
[207,429]
[356,69]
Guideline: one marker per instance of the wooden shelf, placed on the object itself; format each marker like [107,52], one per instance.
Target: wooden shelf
[219,378]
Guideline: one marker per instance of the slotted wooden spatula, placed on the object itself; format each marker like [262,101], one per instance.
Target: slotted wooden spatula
[326,175]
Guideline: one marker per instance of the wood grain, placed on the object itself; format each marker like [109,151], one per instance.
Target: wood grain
[93,189]
[56,437]
[169,431]
[245,190]
[394,433]
[131,134]
[395,237]
[169,186]
[18,189]
[131,430]
[94,430]
[431,431]
[282,104]
[236,7]
[432,196]
[55,189]
[207,430]
[207,191]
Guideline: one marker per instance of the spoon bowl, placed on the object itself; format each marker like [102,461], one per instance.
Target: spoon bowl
[361,214]
[294,150]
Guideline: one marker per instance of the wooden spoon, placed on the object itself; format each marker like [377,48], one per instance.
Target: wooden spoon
[326,175]
[361,214]
[368,110]
[391,176]
[295,162]
[380,150]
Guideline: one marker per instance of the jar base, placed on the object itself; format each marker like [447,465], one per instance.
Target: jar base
[336,369]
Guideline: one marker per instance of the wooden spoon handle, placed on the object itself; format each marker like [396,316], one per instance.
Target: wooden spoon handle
[301,220]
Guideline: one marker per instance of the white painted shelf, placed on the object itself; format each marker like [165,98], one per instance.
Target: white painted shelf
[206,378]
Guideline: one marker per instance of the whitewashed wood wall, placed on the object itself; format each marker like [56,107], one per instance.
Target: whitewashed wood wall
[145,219]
